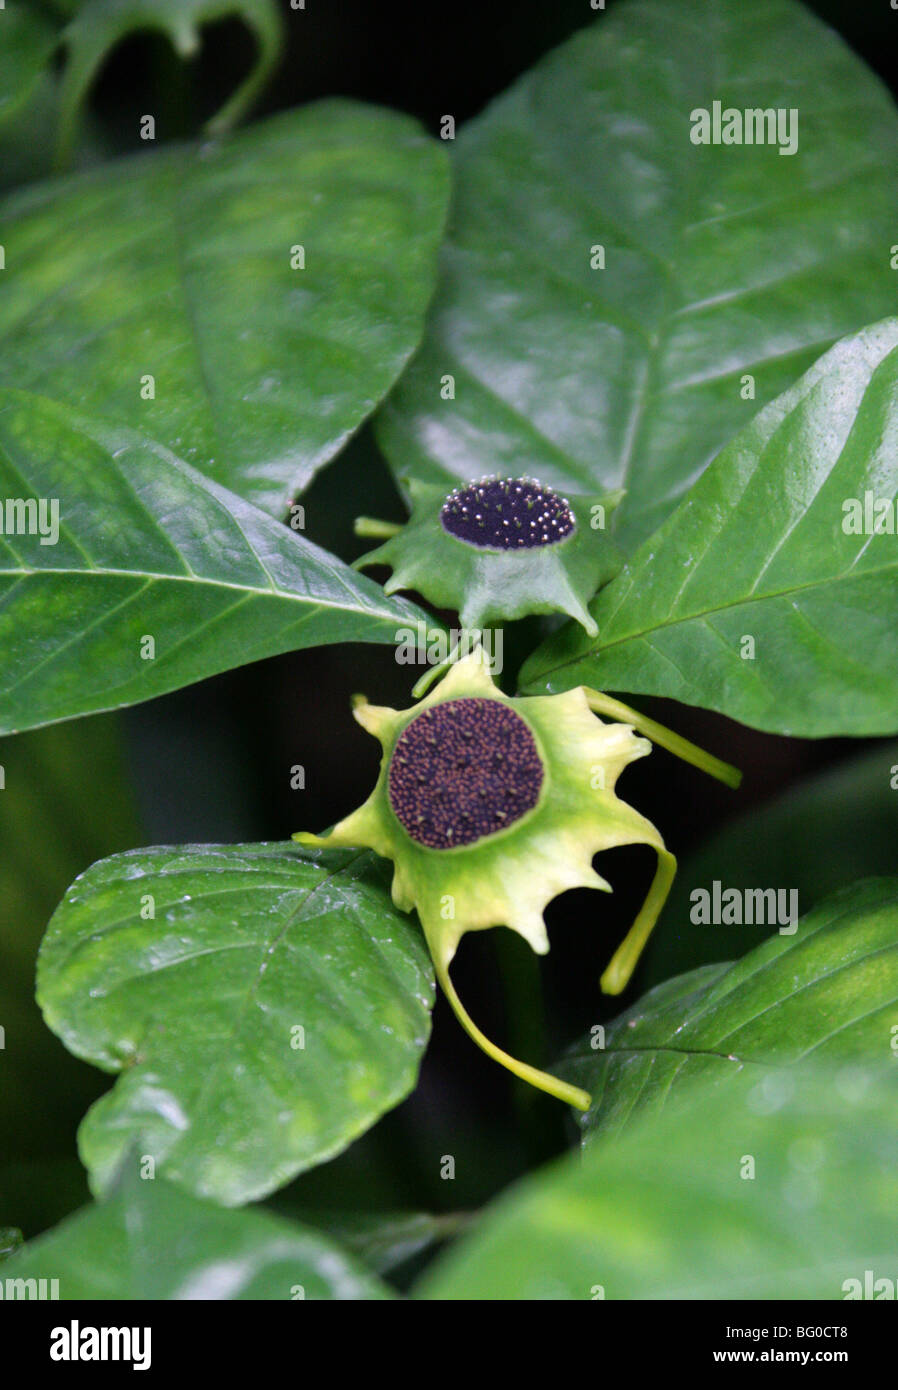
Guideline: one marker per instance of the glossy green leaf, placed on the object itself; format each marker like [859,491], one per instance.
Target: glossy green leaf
[150,1240]
[720,260]
[672,1210]
[176,265]
[27,40]
[271,1010]
[147,550]
[756,598]
[834,828]
[99,25]
[828,991]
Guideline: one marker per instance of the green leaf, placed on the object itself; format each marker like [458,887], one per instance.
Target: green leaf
[99,25]
[667,1210]
[152,1241]
[177,266]
[720,261]
[27,41]
[827,992]
[753,599]
[828,831]
[198,1007]
[147,549]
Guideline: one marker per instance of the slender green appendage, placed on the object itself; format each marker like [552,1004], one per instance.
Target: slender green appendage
[267,30]
[622,964]
[571,1095]
[370,528]
[665,738]
[72,91]
[422,686]
[269,36]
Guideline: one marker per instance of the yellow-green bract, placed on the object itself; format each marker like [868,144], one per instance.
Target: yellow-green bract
[558,764]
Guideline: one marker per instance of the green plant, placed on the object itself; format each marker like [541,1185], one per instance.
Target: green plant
[690,346]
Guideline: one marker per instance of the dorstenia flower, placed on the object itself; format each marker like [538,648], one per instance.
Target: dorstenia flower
[490,806]
[499,548]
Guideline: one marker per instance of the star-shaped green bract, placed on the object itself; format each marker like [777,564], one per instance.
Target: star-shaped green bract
[500,548]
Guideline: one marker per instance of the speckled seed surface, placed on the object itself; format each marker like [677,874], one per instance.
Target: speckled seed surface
[462,770]
[507,514]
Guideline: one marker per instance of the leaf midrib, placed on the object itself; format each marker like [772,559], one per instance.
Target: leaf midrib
[202,581]
[698,614]
[704,1017]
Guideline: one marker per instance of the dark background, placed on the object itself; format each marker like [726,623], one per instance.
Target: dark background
[213,762]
